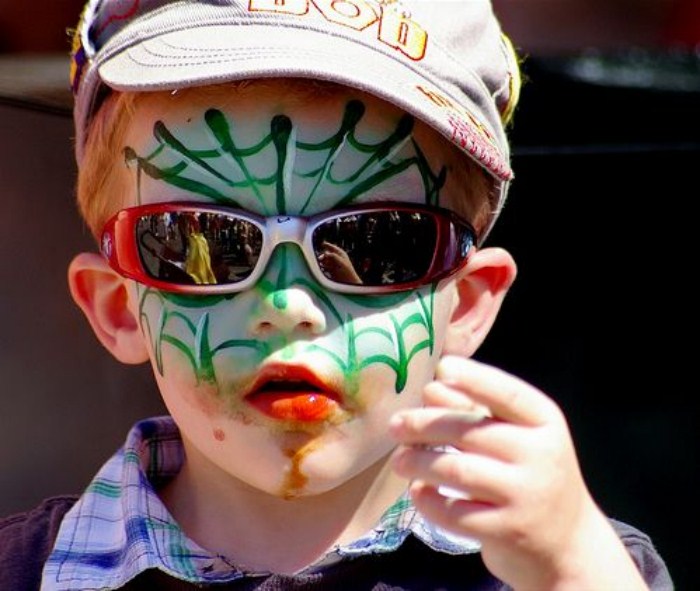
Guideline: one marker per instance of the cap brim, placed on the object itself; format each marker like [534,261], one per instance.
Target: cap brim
[214,54]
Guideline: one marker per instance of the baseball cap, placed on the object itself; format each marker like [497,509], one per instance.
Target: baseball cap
[444,61]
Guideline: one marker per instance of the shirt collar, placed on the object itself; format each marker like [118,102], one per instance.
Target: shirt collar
[120,527]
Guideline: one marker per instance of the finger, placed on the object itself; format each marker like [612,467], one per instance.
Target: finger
[461,516]
[432,426]
[334,247]
[438,394]
[462,430]
[509,398]
[473,476]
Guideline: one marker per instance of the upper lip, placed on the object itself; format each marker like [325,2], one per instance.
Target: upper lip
[293,374]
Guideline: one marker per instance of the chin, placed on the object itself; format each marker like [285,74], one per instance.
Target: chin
[320,467]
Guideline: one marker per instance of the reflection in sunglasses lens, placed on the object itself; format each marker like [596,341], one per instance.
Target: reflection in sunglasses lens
[369,248]
[376,248]
[202,248]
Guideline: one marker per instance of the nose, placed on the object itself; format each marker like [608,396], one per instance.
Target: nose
[285,307]
[287,311]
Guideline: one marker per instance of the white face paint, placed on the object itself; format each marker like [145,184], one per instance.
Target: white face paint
[289,387]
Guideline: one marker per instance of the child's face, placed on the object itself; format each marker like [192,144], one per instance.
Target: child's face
[288,387]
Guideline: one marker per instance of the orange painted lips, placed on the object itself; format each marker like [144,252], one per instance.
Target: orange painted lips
[294,406]
[292,393]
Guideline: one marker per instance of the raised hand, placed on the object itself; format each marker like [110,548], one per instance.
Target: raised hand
[513,478]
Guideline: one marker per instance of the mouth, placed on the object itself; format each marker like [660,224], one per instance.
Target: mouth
[293,394]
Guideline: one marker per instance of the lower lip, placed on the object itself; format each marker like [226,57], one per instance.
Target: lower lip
[305,407]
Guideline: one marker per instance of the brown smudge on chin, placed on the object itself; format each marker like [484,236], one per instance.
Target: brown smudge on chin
[295,480]
[219,434]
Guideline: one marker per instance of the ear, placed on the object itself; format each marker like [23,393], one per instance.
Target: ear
[102,295]
[481,288]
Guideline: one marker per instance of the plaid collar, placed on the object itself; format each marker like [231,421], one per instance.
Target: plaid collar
[119,527]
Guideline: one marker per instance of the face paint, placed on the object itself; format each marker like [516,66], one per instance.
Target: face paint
[224,172]
[199,353]
[371,354]
[380,161]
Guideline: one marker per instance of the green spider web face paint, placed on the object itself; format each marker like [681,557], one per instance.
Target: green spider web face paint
[278,173]
[189,333]
[276,169]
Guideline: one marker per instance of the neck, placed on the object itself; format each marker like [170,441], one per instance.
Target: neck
[263,532]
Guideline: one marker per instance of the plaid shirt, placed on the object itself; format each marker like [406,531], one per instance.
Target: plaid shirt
[119,527]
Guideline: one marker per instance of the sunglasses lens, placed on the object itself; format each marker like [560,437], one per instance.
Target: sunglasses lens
[198,248]
[376,248]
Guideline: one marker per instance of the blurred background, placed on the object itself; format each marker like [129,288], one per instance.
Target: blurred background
[606,152]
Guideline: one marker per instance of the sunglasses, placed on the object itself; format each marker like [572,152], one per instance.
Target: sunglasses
[190,248]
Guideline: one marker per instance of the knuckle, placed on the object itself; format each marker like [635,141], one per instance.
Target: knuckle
[516,530]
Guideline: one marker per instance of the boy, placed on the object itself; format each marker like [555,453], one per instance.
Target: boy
[288,196]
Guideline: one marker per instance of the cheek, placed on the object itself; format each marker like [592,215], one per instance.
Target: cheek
[184,397]
[404,340]
[186,335]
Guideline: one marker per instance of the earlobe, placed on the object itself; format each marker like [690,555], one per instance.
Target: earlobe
[481,288]
[102,296]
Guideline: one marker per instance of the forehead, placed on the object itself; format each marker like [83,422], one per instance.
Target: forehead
[369,135]
[313,107]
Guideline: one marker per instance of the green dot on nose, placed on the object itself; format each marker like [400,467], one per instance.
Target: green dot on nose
[279,300]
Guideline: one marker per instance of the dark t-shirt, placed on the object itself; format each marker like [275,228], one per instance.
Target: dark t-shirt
[26,541]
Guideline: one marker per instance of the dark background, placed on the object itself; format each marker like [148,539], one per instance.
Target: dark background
[601,221]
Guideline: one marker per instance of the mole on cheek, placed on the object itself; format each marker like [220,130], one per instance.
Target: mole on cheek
[219,434]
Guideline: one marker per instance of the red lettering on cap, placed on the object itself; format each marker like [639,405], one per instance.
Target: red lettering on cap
[355,14]
[402,33]
[282,6]
[396,28]
[460,118]
[435,97]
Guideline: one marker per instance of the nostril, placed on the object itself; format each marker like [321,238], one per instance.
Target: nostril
[264,327]
[301,315]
